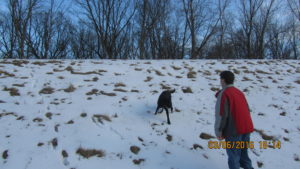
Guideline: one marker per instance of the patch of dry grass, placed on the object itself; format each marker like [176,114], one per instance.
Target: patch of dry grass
[259,164]
[47,90]
[186,90]
[263,135]
[107,94]
[12,91]
[135,91]
[176,68]
[19,85]
[100,118]
[169,138]
[165,87]
[206,136]
[64,154]
[120,90]
[191,75]
[148,79]
[87,153]
[262,72]
[214,89]
[120,85]
[196,146]
[158,73]
[15,62]
[135,149]
[138,69]
[38,63]
[70,89]
[92,92]
[5,154]
[206,73]
[138,162]
[6,74]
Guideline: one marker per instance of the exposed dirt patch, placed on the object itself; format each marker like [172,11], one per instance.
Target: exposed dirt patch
[87,153]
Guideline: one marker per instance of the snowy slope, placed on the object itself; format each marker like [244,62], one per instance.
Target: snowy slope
[109,110]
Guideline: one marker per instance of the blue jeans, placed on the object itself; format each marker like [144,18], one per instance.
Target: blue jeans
[239,157]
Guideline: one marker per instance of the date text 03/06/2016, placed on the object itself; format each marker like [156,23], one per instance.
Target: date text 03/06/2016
[243,144]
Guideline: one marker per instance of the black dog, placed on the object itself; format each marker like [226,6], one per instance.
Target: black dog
[165,102]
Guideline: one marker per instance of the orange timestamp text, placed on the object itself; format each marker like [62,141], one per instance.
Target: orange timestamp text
[243,144]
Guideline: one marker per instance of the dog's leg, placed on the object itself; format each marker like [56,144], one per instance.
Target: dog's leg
[156,110]
[167,115]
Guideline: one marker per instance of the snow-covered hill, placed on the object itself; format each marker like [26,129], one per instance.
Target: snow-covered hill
[88,114]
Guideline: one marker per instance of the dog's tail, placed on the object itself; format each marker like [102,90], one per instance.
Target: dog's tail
[172,91]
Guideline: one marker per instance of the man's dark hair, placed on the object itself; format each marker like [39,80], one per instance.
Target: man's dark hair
[227,76]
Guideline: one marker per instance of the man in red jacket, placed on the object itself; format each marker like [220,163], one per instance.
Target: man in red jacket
[233,121]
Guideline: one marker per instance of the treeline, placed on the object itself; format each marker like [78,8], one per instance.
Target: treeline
[150,29]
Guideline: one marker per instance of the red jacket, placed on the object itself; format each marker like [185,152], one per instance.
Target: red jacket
[234,111]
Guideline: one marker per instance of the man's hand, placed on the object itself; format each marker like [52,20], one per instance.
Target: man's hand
[220,138]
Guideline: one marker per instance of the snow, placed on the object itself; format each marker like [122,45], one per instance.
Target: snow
[272,88]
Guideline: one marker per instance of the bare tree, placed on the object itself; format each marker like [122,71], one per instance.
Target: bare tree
[21,13]
[202,20]
[249,10]
[265,16]
[109,20]
[294,5]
